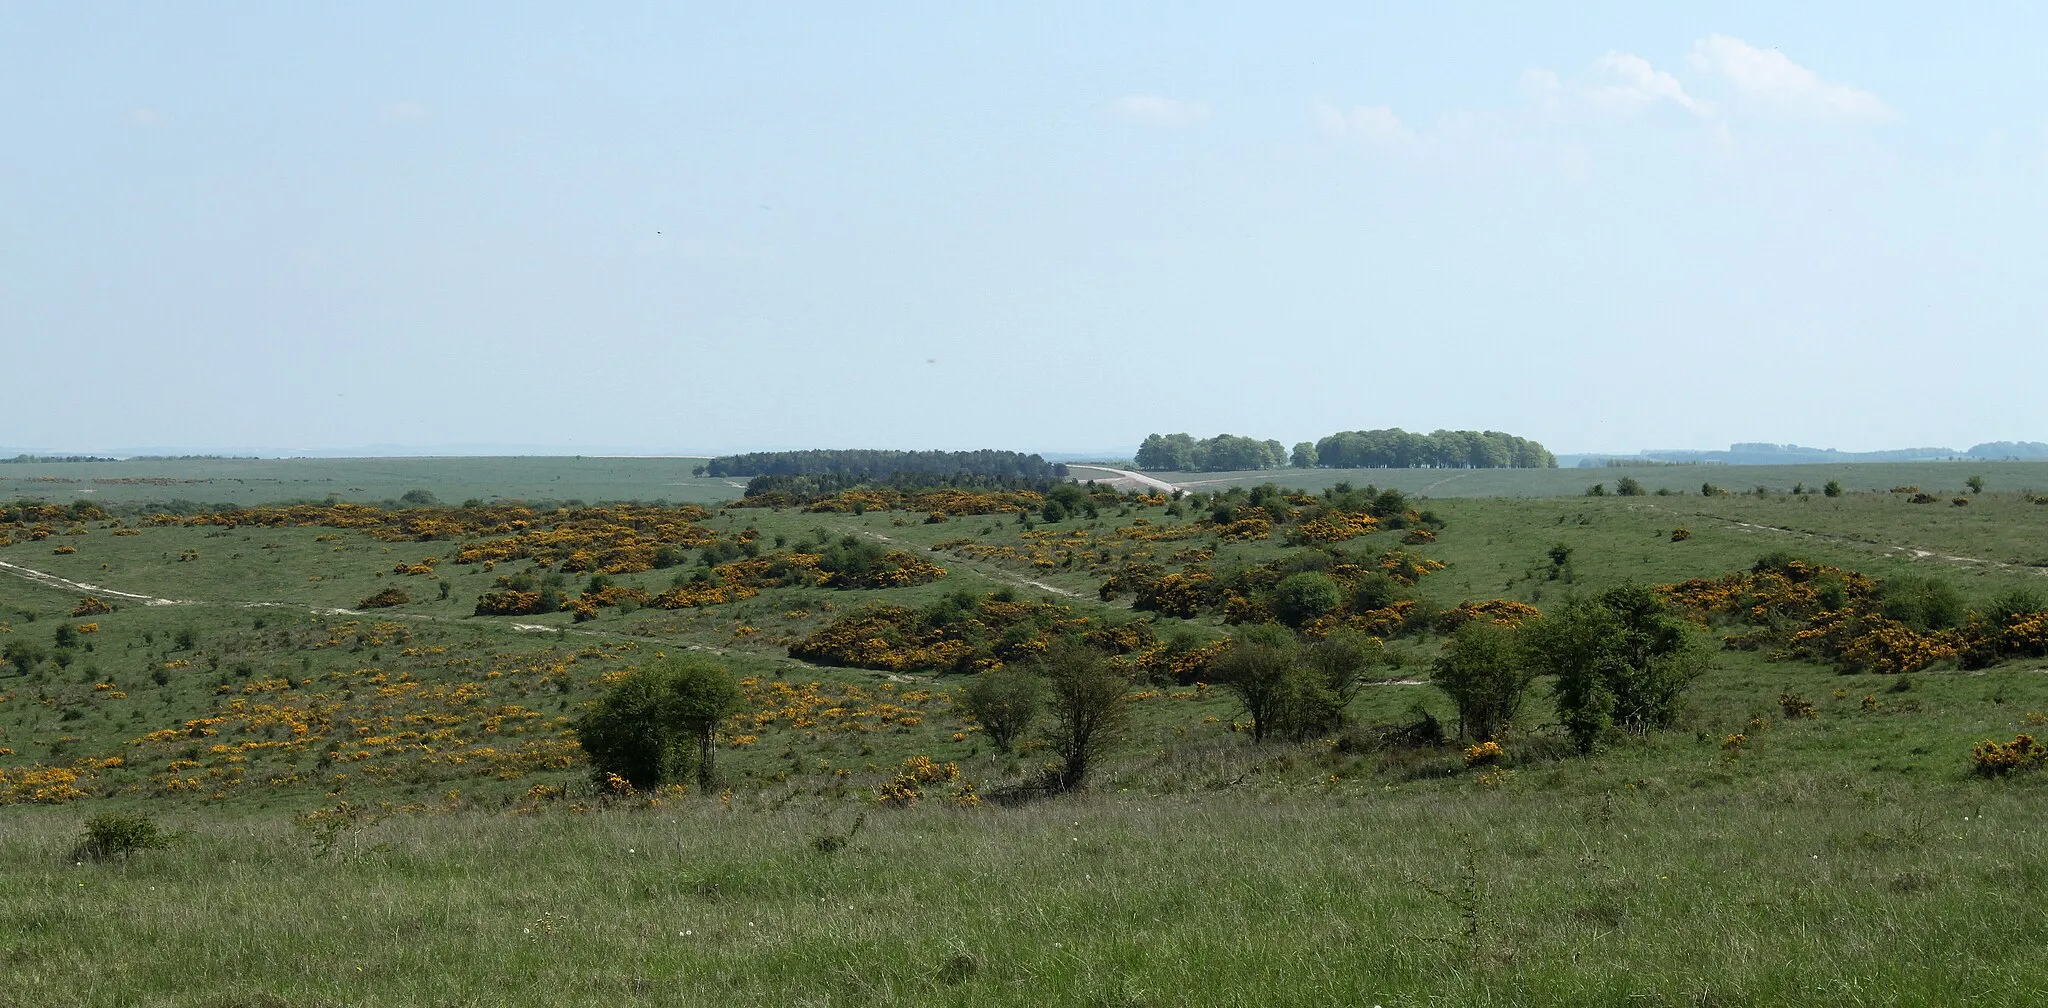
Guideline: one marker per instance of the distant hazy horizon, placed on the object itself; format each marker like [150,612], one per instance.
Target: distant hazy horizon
[614,451]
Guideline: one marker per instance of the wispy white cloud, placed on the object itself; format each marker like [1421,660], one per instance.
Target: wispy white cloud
[1616,87]
[1374,124]
[1628,83]
[1768,79]
[1157,111]
[147,118]
[1618,83]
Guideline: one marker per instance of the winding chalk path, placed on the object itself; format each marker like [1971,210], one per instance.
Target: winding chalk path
[53,581]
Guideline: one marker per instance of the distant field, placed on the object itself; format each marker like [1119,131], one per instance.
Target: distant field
[592,479]
[1935,477]
[1498,547]
[262,481]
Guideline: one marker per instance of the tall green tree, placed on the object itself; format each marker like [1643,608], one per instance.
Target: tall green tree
[1276,455]
[1167,453]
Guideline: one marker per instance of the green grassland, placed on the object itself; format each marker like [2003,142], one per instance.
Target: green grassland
[1757,887]
[257,481]
[385,806]
[261,481]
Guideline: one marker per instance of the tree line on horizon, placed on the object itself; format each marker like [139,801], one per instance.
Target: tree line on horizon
[878,463]
[807,487]
[1392,448]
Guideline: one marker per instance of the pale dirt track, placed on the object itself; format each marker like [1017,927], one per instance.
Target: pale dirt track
[1125,479]
[52,581]
[998,575]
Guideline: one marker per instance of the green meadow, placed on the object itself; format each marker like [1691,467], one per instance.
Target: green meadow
[386,806]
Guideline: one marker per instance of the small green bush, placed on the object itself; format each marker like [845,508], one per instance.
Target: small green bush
[1483,672]
[1923,603]
[1005,702]
[1300,598]
[111,835]
[1621,659]
[1796,707]
[643,728]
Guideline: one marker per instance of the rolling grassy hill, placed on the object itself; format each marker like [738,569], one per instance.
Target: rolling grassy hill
[386,806]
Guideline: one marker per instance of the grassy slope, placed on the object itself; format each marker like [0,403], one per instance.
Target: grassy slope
[261,603]
[1831,862]
[1806,889]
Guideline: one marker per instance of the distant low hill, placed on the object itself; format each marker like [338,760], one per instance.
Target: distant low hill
[1759,453]
[2010,450]
[1765,453]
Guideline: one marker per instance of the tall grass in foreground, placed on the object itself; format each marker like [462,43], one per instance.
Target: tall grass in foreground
[1802,890]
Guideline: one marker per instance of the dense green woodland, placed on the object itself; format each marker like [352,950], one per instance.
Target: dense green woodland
[806,487]
[882,463]
[1375,449]
[1222,453]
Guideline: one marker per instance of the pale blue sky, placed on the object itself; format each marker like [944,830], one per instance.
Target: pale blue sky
[1044,227]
